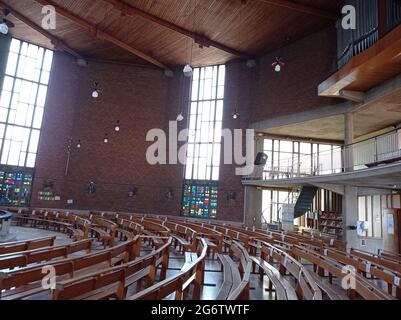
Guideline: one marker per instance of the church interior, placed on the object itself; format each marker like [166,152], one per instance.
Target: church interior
[200,150]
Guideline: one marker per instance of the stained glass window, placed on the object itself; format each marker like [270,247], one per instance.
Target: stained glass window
[202,169]
[15,188]
[200,199]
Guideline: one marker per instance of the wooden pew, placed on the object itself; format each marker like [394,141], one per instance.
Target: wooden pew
[25,258]
[128,229]
[24,245]
[236,277]
[306,287]
[105,230]
[184,237]
[114,282]
[366,289]
[27,281]
[366,263]
[239,252]
[192,274]
[214,239]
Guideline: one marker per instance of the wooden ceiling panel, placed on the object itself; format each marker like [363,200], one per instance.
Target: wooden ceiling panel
[253,28]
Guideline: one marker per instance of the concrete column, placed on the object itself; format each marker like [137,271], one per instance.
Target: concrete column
[348,140]
[350,215]
[253,207]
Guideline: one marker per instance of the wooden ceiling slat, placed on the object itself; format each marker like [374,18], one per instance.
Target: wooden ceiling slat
[101,35]
[58,44]
[254,28]
[202,40]
[302,8]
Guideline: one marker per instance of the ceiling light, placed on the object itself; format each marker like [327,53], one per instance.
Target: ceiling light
[79,144]
[95,93]
[106,138]
[278,64]
[188,71]
[4,28]
[235,115]
[117,126]
[180,117]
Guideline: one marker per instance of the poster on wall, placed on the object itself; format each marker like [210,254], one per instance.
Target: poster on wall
[390,224]
[361,227]
[288,217]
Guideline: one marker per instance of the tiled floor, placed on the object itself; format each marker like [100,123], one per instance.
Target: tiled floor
[213,276]
[23,233]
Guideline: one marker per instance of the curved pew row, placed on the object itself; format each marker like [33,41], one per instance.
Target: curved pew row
[359,284]
[26,282]
[24,245]
[305,288]
[213,238]
[115,282]
[286,242]
[389,272]
[179,285]
[236,275]
[25,258]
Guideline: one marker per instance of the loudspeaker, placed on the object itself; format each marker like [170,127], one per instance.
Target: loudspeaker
[261,159]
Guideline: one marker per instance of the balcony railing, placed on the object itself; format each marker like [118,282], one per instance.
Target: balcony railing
[374,19]
[373,152]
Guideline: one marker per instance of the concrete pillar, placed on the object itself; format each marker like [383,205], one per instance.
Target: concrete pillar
[350,215]
[253,195]
[348,140]
[253,207]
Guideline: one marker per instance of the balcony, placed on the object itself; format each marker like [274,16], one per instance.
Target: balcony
[367,157]
[368,55]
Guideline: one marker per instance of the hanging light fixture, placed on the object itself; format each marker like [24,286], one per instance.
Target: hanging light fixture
[79,144]
[180,117]
[95,92]
[188,71]
[235,115]
[3,28]
[278,64]
[117,127]
[6,24]
[106,138]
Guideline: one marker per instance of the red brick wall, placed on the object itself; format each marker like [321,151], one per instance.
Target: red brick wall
[142,99]
[138,97]
[308,62]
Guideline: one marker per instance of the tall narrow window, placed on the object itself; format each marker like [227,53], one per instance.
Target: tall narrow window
[204,143]
[22,102]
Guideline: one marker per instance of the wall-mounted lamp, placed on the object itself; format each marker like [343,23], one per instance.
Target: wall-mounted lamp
[117,127]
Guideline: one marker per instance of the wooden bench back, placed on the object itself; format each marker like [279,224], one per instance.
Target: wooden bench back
[16,278]
[118,275]
[306,287]
[239,252]
[179,284]
[25,258]
[365,288]
[18,246]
